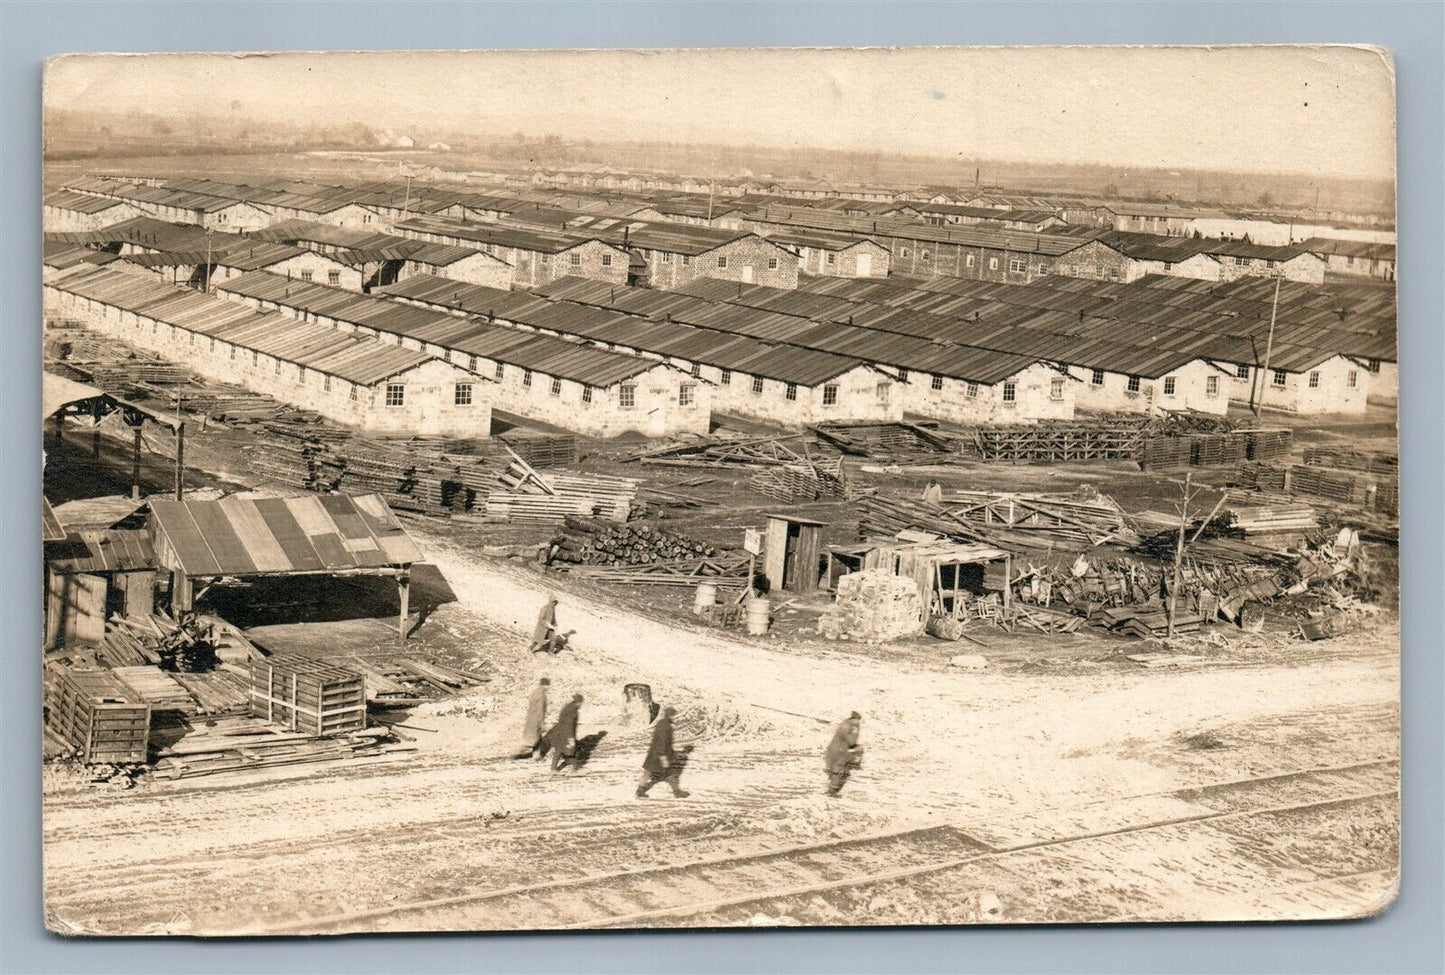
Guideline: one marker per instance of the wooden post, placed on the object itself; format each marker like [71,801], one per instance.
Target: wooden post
[135,466]
[1268,348]
[1178,557]
[403,590]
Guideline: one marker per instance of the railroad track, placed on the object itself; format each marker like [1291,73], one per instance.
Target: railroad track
[738,884]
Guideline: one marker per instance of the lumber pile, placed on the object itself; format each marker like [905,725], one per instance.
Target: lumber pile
[882,516]
[307,695]
[1016,516]
[157,688]
[1267,444]
[803,482]
[1165,453]
[588,541]
[528,497]
[98,717]
[225,690]
[883,439]
[394,680]
[237,745]
[1352,460]
[724,452]
[725,572]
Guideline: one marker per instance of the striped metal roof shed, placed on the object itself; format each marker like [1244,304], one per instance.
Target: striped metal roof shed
[106,550]
[312,533]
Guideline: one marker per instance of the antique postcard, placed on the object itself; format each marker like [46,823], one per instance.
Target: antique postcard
[511,490]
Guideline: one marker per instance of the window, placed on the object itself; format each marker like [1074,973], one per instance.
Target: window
[301,375]
[1315,379]
[472,363]
[936,382]
[233,353]
[923,254]
[687,394]
[1241,262]
[697,370]
[1241,372]
[1352,378]
[1056,389]
[574,259]
[832,258]
[556,387]
[722,263]
[586,394]
[627,396]
[757,385]
[1279,377]
[1017,266]
[882,392]
[278,367]
[1097,378]
[972,391]
[395,394]
[903,252]
[212,344]
[830,395]
[1010,391]
[1043,270]
[1133,386]
[527,378]
[687,260]
[1269,264]
[606,260]
[306,276]
[725,377]
[500,372]
[791,392]
[968,260]
[665,257]
[1374,365]
[1169,384]
[772,264]
[462,394]
[255,357]
[993,264]
[903,375]
[353,392]
[333,277]
[326,382]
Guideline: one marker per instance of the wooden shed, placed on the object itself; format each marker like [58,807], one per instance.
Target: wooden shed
[943,570]
[792,552]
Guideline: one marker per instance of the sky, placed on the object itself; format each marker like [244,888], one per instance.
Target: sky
[1319,110]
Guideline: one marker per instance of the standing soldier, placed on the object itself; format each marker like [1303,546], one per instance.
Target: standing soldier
[933,492]
[534,730]
[563,736]
[546,626]
[844,754]
[662,763]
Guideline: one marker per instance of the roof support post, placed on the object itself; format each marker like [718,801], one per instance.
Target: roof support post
[403,591]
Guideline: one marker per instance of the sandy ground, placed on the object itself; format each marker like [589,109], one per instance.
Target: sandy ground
[1009,755]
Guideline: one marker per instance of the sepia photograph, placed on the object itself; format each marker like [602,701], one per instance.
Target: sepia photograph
[719,488]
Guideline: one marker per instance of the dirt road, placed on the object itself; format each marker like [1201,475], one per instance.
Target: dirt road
[1007,758]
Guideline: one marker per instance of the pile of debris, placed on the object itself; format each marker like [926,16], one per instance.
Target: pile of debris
[802,483]
[725,452]
[873,606]
[892,440]
[239,745]
[1015,520]
[527,497]
[587,541]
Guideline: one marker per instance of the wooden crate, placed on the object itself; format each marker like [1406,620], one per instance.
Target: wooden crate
[307,695]
[93,711]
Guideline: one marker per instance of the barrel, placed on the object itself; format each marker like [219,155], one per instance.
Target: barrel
[705,598]
[760,610]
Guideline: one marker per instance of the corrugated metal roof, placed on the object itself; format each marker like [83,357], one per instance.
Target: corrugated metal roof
[501,235]
[250,536]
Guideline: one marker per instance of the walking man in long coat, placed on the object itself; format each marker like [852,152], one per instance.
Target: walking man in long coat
[543,632]
[662,763]
[844,754]
[534,729]
[563,736]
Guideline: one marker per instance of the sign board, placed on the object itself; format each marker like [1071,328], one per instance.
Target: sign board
[753,540]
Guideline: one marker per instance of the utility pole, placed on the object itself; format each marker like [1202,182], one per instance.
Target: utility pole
[1178,557]
[210,233]
[180,450]
[1264,379]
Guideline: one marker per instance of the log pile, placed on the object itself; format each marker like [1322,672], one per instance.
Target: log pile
[588,541]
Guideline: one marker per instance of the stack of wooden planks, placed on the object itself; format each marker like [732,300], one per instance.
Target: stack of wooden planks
[397,680]
[157,688]
[1023,518]
[803,482]
[234,745]
[547,499]
[98,717]
[723,452]
[727,572]
[225,690]
[307,695]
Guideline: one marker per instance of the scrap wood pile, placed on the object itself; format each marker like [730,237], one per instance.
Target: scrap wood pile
[188,646]
[527,497]
[238,744]
[883,439]
[724,452]
[396,680]
[883,516]
[1353,460]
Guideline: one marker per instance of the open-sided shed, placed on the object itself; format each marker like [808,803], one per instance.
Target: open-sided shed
[328,534]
